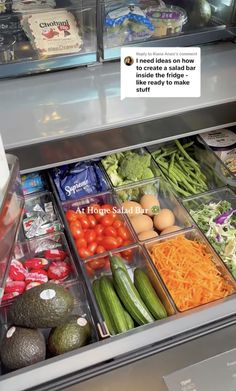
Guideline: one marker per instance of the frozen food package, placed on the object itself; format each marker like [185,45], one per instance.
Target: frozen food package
[78,180]
[166,20]
[127,24]
[53,33]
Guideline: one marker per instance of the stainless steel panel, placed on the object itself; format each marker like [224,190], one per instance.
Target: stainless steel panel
[68,104]
[119,346]
[148,373]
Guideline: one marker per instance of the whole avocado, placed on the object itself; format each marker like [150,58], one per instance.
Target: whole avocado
[46,305]
[201,13]
[22,347]
[69,336]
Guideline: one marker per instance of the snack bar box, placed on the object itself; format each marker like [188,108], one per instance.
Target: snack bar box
[83,118]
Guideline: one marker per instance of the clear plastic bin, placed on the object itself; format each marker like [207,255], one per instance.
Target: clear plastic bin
[76,180]
[208,167]
[176,283]
[81,308]
[153,167]
[101,199]
[48,35]
[48,258]
[166,200]
[41,216]
[133,257]
[222,235]
[10,217]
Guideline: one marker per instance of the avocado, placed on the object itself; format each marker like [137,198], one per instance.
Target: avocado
[201,13]
[46,305]
[22,347]
[71,335]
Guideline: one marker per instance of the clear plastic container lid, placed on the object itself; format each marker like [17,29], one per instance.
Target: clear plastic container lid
[167,14]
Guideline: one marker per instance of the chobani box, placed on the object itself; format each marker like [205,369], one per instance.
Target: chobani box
[53,33]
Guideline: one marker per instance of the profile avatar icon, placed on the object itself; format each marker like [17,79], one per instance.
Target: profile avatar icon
[128,60]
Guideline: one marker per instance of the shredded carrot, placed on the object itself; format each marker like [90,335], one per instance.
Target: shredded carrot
[189,272]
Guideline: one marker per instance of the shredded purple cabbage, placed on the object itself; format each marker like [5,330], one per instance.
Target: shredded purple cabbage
[218,238]
[221,218]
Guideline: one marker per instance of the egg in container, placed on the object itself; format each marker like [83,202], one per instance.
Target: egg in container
[152,209]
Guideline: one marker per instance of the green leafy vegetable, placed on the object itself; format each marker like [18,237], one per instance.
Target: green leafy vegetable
[222,236]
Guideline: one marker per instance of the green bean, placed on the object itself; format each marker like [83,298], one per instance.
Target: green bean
[184,153]
[172,162]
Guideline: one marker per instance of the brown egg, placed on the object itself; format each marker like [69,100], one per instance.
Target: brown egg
[147,235]
[141,223]
[168,230]
[132,208]
[164,219]
[150,204]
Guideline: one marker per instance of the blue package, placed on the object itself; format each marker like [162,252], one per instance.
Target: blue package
[78,180]
[32,183]
[127,24]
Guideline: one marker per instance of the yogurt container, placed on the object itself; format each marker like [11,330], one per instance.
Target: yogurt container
[166,20]
[223,142]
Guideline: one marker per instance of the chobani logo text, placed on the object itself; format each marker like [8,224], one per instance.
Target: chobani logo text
[54,24]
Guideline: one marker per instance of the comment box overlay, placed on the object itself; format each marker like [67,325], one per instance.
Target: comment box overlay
[160,72]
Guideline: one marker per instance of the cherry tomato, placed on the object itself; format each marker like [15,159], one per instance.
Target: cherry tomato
[97,263]
[75,223]
[92,209]
[89,270]
[119,241]
[109,242]
[100,249]
[127,254]
[92,221]
[99,229]
[123,233]
[107,220]
[107,208]
[84,253]
[99,238]
[80,215]
[84,222]
[92,247]
[117,224]
[71,215]
[81,243]
[100,213]
[127,243]
[107,264]
[110,231]
[76,232]
[90,235]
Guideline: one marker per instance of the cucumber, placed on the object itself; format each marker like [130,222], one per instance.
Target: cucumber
[131,298]
[129,320]
[148,294]
[114,306]
[103,307]
[116,262]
